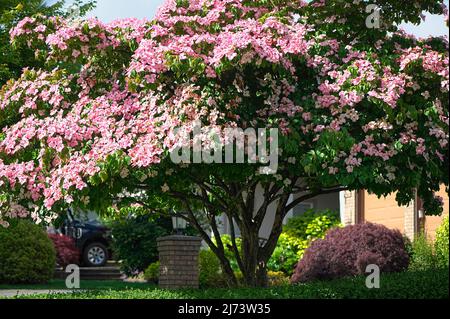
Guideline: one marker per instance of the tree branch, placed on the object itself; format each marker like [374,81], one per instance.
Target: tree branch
[233,241]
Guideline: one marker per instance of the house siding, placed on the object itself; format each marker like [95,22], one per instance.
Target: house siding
[365,207]
[384,211]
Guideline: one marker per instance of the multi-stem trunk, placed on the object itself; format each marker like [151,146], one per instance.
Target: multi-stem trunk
[256,251]
[253,268]
[250,248]
[254,254]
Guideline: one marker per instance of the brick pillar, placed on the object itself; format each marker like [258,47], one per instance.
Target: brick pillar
[178,257]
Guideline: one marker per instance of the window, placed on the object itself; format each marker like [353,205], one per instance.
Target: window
[300,209]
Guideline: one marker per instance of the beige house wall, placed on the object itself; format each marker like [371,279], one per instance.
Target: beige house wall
[384,211]
[409,220]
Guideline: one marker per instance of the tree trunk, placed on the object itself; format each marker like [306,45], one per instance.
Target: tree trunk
[255,269]
[228,272]
[254,255]
[262,280]
[250,247]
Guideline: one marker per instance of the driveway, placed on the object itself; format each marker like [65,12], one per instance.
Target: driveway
[10,293]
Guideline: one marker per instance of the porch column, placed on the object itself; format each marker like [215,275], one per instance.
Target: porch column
[348,208]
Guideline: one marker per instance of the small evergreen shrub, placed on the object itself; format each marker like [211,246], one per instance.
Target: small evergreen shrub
[441,244]
[27,255]
[151,274]
[135,235]
[210,274]
[66,251]
[347,251]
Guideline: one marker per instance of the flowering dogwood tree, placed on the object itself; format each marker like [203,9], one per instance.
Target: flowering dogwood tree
[97,126]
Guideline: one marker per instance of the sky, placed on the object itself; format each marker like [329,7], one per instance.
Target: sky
[109,10]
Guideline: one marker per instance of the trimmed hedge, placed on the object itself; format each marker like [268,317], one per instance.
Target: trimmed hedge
[405,285]
[27,254]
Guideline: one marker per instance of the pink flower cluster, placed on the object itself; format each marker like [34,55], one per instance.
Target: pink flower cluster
[225,63]
[430,61]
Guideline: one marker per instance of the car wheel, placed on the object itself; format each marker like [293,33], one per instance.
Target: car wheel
[95,255]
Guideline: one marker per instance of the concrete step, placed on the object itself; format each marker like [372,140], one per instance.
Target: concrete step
[110,271]
[113,263]
[99,269]
[98,276]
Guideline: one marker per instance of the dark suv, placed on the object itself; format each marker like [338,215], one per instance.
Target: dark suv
[91,237]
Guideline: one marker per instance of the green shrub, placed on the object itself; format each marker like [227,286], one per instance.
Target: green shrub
[422,257]
[408,246]
[151,274]
[27,254]
[288,252]
[277,278]
[298,233]
[441,244]
[134,241]
[312,224]
[210,274]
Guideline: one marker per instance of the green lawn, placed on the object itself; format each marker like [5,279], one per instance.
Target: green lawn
[85,284]
[431,284]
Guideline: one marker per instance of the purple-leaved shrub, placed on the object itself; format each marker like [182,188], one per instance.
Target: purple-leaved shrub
[347,252]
